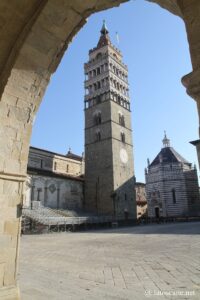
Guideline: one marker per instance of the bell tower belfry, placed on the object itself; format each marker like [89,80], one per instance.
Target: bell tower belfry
[109,172]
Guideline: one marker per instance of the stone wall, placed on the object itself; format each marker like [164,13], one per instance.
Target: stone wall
[54,192]
[141,200]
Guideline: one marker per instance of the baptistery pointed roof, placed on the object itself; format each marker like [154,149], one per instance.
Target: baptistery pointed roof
[166,141]
[168,155]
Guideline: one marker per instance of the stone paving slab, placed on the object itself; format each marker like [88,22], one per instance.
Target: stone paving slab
[119,264]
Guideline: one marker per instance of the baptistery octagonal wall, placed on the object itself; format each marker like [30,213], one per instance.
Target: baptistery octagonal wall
[33,38]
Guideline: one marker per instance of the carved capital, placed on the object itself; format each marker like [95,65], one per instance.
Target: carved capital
[191,82]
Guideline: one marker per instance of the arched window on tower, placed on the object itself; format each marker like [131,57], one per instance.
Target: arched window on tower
[98,99]
[121,120]
[111,81]
[98,136]
[99,55]
[114,55]
[97,118]
[123,137]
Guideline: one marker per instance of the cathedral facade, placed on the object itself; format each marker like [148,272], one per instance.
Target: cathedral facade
[109,173]
[171,185]
[54,180]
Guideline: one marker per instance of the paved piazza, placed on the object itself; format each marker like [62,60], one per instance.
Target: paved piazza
[120,264]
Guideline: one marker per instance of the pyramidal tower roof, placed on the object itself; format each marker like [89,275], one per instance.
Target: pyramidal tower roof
[104,38]
[168,154]
[104,29]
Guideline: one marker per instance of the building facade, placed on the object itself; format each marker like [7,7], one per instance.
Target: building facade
[171,185]
[141,200]
[54,180]
[109,173]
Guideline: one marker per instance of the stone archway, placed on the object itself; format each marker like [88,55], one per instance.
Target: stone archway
[34,36]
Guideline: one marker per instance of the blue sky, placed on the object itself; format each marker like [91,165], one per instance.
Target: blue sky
[155,48]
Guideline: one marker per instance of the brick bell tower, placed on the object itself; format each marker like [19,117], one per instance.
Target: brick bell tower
[109,173]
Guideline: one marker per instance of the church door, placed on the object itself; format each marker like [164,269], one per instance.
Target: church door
[157,212]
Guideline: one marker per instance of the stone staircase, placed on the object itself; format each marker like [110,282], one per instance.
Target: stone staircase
[48,216]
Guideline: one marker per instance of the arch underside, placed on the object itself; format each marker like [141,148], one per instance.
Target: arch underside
[171,5]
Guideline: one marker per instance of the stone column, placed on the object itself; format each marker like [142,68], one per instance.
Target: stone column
[190,12]
[192,83]
[16,117]
[32,194]
[11,198]
[45,194]
[58,197]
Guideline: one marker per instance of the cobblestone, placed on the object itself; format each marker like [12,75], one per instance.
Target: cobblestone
[119,264]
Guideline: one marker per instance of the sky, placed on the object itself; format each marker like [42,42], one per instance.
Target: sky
[155,48]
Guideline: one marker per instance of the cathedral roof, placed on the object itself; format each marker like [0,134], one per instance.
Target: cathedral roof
[73,156]
[68,155]
[168,155]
